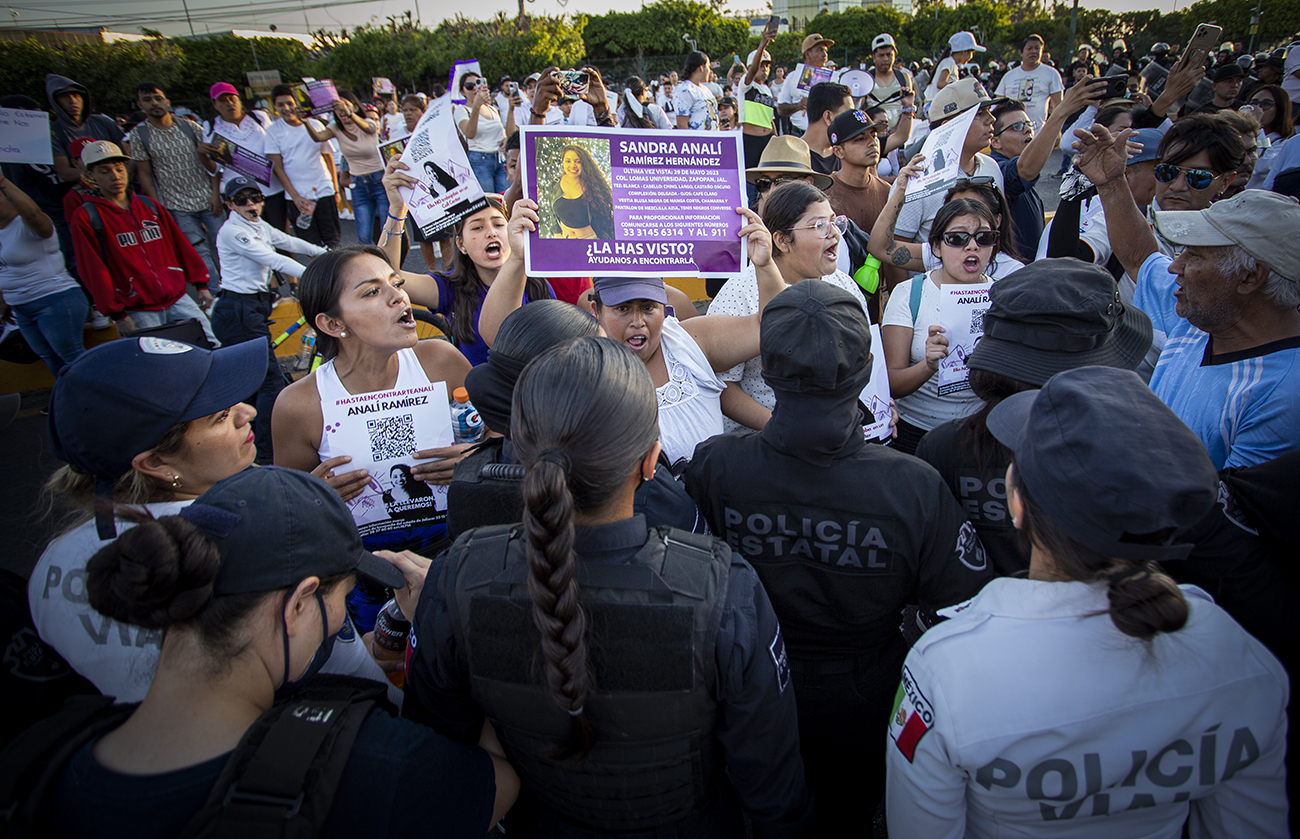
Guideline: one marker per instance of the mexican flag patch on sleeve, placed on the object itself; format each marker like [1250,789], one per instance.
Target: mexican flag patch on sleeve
[913,716]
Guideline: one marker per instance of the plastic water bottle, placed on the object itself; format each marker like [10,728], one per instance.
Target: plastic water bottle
[304,219]
[466,424]
[306,349]
[389,641]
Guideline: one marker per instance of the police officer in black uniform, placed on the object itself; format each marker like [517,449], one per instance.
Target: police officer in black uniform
[843,535]
[485,486]
[636,676]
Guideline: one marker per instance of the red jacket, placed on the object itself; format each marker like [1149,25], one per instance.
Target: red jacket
[142,262]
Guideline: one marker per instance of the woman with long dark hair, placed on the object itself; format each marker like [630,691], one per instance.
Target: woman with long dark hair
[484,130]
[1139,705]
[358,137]
[695,105]
[661,700]
[637,108]
[1272,106]
[582,204]
[481,249]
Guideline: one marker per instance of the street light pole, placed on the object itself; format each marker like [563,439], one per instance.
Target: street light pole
[187,16]
[1074,25]
[1254,25]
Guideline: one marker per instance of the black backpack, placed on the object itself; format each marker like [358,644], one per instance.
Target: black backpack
[279,781]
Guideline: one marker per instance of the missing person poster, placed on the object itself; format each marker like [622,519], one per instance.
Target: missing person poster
[316,96]
[875,396]
[242,160]
[381,433]
[942,150]
[633,202]
[459,69]
[961,314]
[448,190]
[382,86]
[809,76]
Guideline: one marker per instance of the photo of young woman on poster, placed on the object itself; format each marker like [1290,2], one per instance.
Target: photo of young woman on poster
[581,204]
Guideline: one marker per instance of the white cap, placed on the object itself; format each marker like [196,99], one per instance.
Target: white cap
[1292,60]
[884,39]
[766,57]
[964,40]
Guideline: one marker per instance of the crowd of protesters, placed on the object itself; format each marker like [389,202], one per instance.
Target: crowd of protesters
[678,592]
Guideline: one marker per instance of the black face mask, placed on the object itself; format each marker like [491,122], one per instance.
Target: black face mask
[318,660]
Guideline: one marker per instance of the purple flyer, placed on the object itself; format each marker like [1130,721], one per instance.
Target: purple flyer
[629,202]
[323,96]
[242,160]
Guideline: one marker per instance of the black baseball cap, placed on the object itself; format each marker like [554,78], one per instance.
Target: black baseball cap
[1070,316]
[238,184]
[1108,462]
[848,125]
[275,527]
[1228,71]
[815,338]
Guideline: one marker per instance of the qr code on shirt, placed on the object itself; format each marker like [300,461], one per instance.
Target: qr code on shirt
[977,321]
[391,438]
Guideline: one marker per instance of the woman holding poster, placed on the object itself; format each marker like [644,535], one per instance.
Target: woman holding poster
[582,206]
[925,345]
[376,413]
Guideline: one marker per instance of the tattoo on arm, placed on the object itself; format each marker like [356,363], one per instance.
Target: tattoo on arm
[900,256]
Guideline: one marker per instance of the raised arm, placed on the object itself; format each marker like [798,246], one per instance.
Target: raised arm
[1183,79]
[34,219]
[907,256]
[324,135]
[729,340]
[421,288]
[507,291]
[1032,160]
[903,130]
[757,63]
[1102,158]
[469,125]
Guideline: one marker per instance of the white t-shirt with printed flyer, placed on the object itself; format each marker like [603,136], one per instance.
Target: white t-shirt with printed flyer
[1032,88]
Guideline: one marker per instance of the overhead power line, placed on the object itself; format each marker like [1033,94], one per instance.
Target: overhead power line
[235,12]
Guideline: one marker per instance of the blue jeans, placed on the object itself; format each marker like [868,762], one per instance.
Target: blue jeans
[52,326]
[368,200]
[489,170]
[200,229]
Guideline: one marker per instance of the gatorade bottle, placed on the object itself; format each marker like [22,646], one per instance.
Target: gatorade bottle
[466,424]
[389,640]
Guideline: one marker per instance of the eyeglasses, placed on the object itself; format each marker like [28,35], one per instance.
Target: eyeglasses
[1262,104]
[1197,179]
[959,238]
[764,184]
[823,226]
[1018,127]
[967,183]
[247,198]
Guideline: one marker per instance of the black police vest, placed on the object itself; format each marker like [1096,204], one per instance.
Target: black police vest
[483,490]
[652,633]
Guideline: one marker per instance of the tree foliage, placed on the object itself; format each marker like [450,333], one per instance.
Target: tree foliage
[657,29]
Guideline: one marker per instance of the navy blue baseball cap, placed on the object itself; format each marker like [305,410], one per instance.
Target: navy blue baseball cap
[1109,462]
[617,290]
[276,527]
[238,184]
[1150,139]
[120,398]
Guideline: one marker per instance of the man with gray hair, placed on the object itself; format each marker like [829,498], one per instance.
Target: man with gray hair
[1230,367]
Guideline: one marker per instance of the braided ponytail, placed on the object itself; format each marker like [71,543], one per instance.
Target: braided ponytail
[557,614]
[583,416]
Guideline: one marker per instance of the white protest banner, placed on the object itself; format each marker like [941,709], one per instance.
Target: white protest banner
[961,314]
[875,396]
[942,150]
[448,190]
[460,68]
[381,432]
[25,137]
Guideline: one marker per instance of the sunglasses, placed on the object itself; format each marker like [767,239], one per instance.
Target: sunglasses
[1197,179]
[1262,104]
[823,226]
[246,198]
[764,184]
[959,239]
[967,183]
[1018,127]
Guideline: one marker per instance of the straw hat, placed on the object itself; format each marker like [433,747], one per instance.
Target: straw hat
[789,156]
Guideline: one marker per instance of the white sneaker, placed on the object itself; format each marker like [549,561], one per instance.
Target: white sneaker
[345,214]
[98,321]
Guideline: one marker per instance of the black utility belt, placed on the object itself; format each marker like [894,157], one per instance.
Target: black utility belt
[265,296]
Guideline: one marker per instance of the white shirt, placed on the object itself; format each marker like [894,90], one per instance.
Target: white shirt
[790,94]
[924,407]
[697,104]
[247,253]
[302,159]
[1032,88]
[524,115]
[1031,714]
[664,100]
[932,89]
[251,134]
[690,404]
[30,267]
[739,297]
[117,658]
[916,216]
[394,122]
[488,133]
[583,114]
